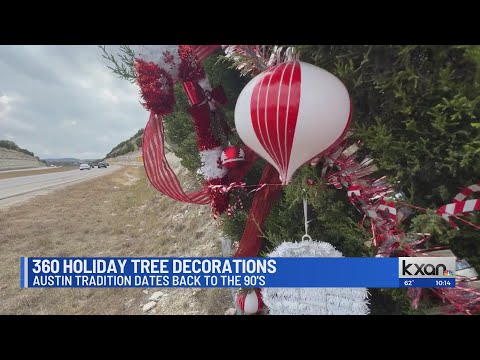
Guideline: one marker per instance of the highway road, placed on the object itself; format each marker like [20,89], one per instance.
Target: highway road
[18,189]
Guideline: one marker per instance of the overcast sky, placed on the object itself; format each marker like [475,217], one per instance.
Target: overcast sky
[62,101]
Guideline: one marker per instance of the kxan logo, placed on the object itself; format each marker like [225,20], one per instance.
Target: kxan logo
[426,267]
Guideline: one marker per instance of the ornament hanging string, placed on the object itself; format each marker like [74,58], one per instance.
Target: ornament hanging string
[305,215]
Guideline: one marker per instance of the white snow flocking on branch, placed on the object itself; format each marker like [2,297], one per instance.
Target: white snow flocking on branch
[165,56]
[210,168]
[313,301]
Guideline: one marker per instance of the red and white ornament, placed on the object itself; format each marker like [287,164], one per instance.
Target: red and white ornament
[250,302]
[292,113]
[232,157]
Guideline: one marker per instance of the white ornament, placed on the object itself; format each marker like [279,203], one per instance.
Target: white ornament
[313,301]
[252,305]
[292,113]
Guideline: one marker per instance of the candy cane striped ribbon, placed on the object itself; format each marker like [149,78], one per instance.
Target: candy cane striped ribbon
[464,193]
[159,171]
[460,207]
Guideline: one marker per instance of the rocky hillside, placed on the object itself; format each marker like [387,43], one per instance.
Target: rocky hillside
[134,158]
[127,146]
[14,159]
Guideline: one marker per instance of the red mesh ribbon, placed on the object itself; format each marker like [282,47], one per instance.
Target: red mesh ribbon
[218,94]
[204,51]
[196,94]
[263,202]
[158,170]
[201,120]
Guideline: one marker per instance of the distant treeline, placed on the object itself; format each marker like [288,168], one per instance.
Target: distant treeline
[7,144]
[127,146]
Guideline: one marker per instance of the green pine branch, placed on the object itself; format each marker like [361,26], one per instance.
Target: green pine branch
[124,66]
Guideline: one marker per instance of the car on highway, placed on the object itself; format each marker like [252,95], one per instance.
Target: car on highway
[101,164]
[106,163]
[84,167]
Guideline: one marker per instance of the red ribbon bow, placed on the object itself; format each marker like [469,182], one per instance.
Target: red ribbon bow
[197,95]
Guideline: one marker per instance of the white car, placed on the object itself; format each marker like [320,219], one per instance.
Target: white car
[85,167]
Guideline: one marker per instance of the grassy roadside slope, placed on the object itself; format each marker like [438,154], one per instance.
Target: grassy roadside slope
[116,215]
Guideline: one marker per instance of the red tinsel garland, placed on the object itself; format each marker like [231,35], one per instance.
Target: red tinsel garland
[156,83]
[190,67]
[377,200]
[156,87]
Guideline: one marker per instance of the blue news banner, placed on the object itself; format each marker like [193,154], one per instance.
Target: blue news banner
[226,273]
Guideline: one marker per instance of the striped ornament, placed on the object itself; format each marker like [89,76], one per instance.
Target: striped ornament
[279,113]
[250,303]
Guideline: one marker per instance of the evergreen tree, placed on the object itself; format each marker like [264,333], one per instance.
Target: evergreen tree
[414,108]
